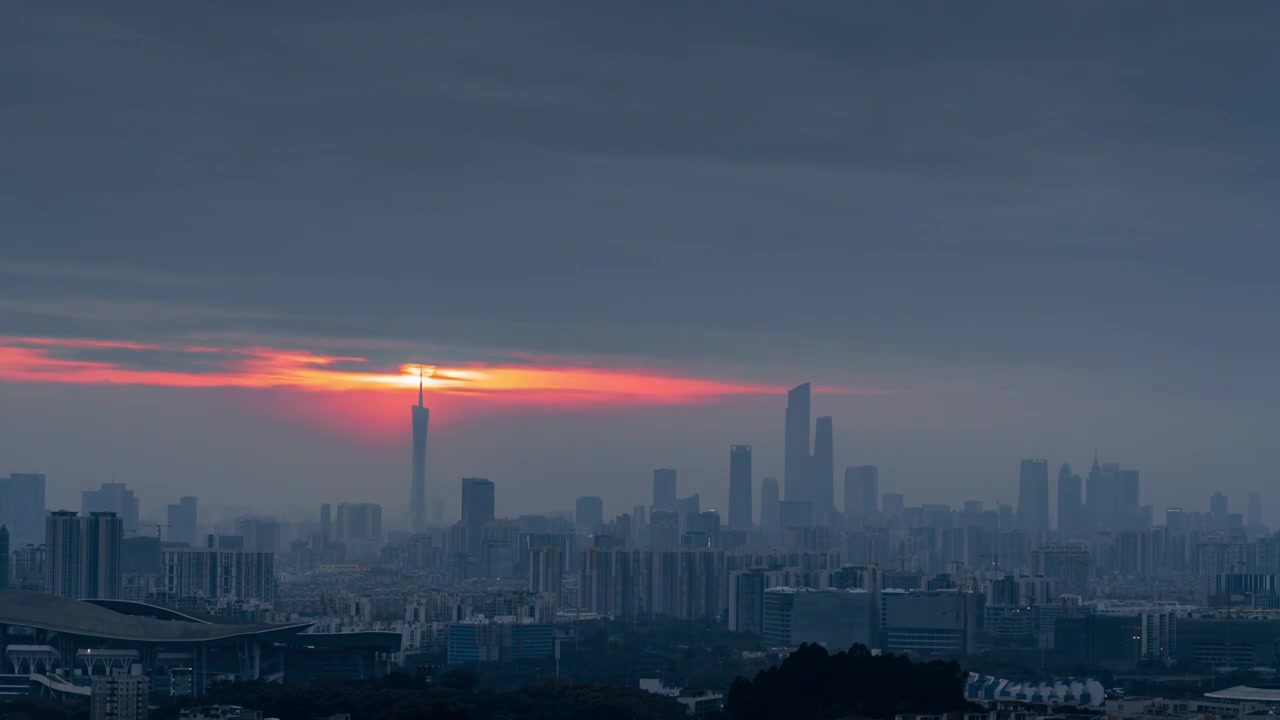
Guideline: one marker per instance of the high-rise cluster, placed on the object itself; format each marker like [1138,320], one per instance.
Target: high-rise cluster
[808,476]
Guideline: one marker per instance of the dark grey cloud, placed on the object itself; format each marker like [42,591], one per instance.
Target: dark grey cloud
[1058,204]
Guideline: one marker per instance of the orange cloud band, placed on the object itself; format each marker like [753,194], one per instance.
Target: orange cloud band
[70,360]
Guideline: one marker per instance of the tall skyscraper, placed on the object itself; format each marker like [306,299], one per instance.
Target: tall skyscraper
[1255,510]
[115,498]
[770,505]
[588,512]
[740,487]
[477,510]
[326,521]
[1127,512]
[822,468]
[418,491]
[83,555]
[861,493]
[1070,502]
[664,488]
[182,521]
[22,507]
[1105,500]
[796,460]
[1033,495]
[892,504]
[1218,504]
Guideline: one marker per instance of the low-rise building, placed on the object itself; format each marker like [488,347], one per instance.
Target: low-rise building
[499,639]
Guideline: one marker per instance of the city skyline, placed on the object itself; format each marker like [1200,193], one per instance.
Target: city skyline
[1001,245]
[1109,499]
[764,361]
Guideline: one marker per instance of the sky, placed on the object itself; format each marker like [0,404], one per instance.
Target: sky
[616,233]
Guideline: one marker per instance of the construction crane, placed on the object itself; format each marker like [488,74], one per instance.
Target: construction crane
[158,526]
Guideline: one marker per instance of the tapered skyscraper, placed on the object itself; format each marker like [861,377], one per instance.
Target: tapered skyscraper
[770,509]
[664,488]
[740,487]
[418,492]
[1033,495]
[796,459]
[1070,503]
[822,468]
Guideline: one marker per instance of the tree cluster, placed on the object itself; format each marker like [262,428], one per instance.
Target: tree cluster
[398,697]
[814,685]
[30,708]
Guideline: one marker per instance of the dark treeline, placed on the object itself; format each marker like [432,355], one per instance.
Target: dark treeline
[812,684]
[30,708]
[402,697]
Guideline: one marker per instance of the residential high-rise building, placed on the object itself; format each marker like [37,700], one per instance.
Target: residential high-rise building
[83,555]
[1111,499]
[770,508]
[546,570]
[418,490]
[861,493]
[746,600]
[796,459]
[1033,495]
[892,504]
[22,507]
[218,573]
[1005,517]
[1066,563]
[664,488]
[4,557]
[1099,499]
[822,468]
[477,510]
[1255,510]
[1070,502]
[1128,513]
[182,521]
[1218,504]
[262,534]
[588,512]
[740,487]
[664,529]
[326,521]
[28,569]
[796,513]
[112,498]
[359,522]
[119,695]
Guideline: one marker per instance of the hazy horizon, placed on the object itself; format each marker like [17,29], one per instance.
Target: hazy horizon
[984,233]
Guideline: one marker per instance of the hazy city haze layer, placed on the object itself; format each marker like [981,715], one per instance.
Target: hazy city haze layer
[1031,232]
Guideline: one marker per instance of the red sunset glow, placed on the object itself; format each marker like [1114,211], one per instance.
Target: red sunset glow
[45,360]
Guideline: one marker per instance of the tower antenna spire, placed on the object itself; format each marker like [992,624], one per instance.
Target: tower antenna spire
[419,386]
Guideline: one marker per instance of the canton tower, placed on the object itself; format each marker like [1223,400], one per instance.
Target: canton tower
[418,491]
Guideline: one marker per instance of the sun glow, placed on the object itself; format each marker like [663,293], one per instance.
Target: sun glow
[107,362]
